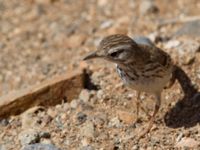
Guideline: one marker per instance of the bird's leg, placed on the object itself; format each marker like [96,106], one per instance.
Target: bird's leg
[157,106]
[138,107]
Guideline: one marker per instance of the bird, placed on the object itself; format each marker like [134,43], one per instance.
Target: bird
[142,67]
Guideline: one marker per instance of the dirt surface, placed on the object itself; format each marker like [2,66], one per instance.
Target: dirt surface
[44,38]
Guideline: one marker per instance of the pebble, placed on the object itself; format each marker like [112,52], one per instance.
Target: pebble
[84,95]
[88,130]
[172,44]
[29,136]
[126,117]
[106,24]
[100,94]
[4,122]
[187,142]
[148,6]
[114,122]
[46,141]
[81,117]
[100,119]
[143,40]
[74,104]
[88,147]
[2,147]
[189,28]
[188,47]
[135,147]
[85,141]
[44,134]
[40,147]
[179,137]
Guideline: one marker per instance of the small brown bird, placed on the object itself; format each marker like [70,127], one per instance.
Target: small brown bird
[144,68]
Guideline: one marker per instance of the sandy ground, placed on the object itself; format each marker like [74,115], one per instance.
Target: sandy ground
[43,38]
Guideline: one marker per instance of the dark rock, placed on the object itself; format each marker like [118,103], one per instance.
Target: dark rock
[44,134]
[4,122]
[81,117]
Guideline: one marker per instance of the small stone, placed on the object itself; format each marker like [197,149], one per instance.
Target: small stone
[2,147]
[40,147]
[100,119]
[187,142]
[126,117]
[148,6]
[46,141]
[88,130]
[114,122]
[81,117]
[188,47]
[4,122]
[52,113]
[135,147]
[29,137]
[100,94]
[172,44]
[74,104]
[85,142]
[84,95]
[46,120]
[66,106]
[106,24]
[143,40]
[88,147]
[44,134]
[179,137]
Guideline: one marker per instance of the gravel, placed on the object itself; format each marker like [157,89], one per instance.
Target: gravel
[43,39]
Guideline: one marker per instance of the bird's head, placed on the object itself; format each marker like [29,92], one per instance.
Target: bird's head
[115,48]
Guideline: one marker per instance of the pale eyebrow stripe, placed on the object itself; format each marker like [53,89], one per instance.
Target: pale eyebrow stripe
[119,47]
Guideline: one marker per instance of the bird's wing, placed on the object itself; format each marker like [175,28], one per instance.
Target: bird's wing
[155,54]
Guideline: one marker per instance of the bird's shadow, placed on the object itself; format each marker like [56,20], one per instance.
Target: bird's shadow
[186,112]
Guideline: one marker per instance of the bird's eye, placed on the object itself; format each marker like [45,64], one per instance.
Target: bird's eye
[115,54]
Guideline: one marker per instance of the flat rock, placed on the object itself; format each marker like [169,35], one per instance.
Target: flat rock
[143,40]
[187,142]
[88,130]
[29,137]
[189,28]
[48,93]
[40,147]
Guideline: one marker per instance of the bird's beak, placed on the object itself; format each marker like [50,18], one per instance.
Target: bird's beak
[91,56]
